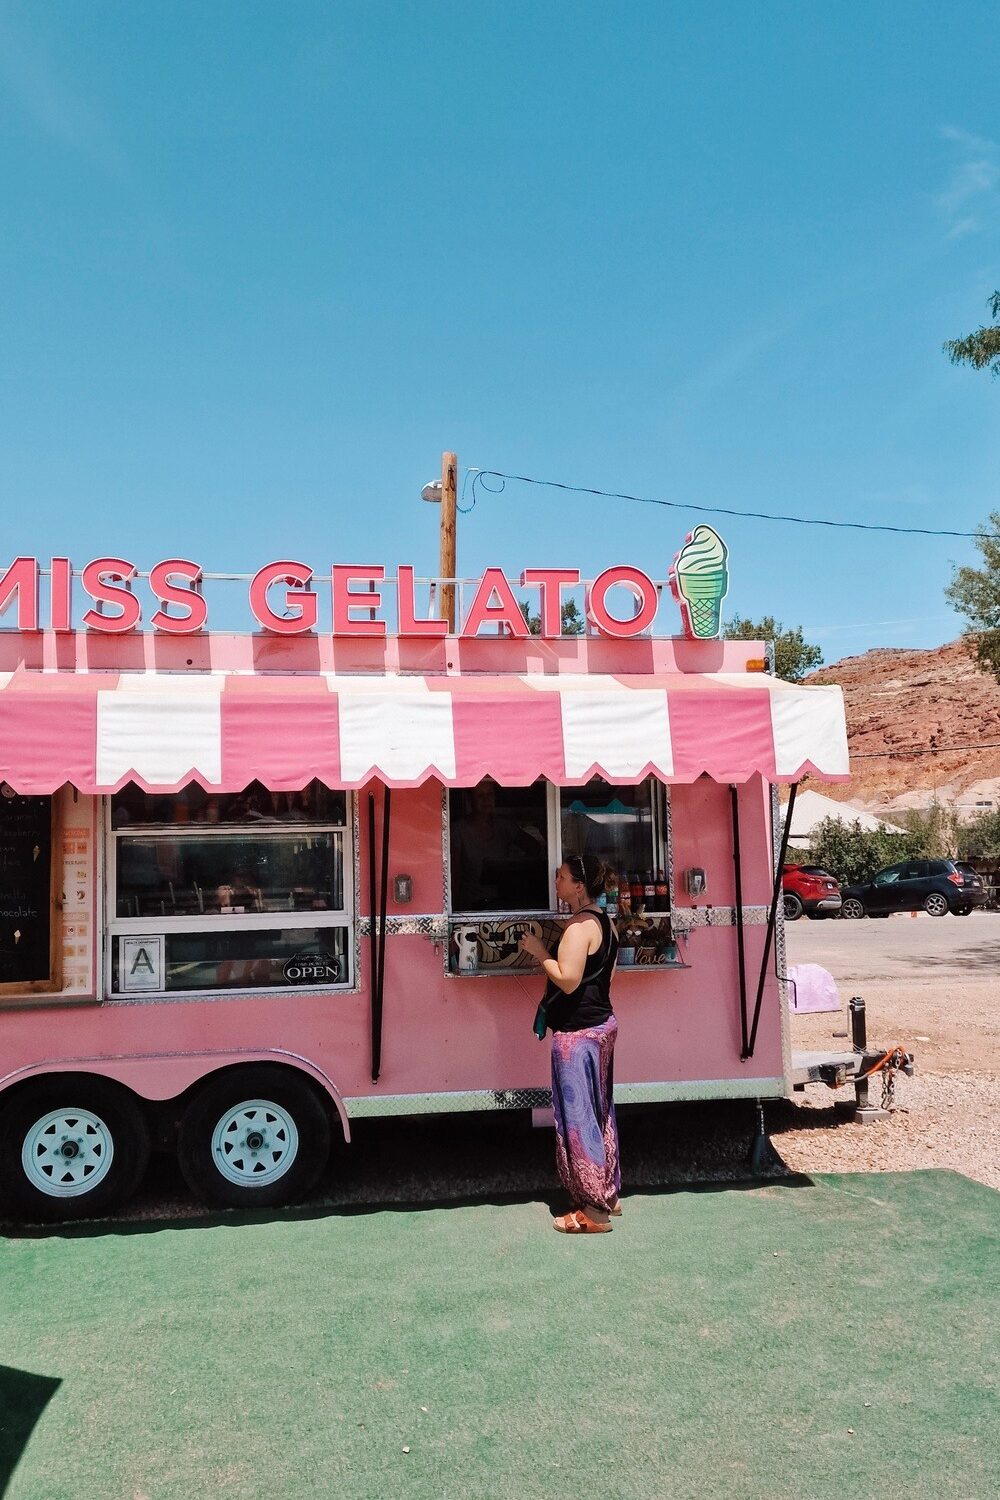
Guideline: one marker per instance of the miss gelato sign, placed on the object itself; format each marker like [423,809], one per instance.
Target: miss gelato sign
[699,581]
[288,597]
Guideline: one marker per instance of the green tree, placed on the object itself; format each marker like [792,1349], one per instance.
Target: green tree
[980,837]
[854,854]
[982,348]
[569,614]
[793,656]
[975,593]
[935,831]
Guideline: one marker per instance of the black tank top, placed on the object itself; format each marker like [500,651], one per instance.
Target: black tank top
[590,1003]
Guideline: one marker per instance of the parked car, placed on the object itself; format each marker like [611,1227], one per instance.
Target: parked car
[972,878]
[807,888]
[935,885]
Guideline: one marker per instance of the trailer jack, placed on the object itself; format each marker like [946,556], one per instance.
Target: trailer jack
[890,1062]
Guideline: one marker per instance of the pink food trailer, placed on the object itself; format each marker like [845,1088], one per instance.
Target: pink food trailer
[254,887]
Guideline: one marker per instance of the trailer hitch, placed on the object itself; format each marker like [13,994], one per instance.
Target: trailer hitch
[893,1060]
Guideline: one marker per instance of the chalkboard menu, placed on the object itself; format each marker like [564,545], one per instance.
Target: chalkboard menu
[25,887]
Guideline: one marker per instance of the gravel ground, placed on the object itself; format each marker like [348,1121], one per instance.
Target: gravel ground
[930,985]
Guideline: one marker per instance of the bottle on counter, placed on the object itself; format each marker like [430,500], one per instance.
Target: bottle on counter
[649,891]
[662,892]
[624,898]
[638,895]
[611,894]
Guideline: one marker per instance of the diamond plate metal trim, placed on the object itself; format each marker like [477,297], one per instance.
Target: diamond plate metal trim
[685,918]
[370,1107]
[418,926]
[780,956]
[366,1107]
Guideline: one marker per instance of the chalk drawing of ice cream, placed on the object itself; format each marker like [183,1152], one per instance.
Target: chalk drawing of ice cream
[699,581]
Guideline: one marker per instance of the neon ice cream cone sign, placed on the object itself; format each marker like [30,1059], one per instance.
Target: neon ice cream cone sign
[699,581]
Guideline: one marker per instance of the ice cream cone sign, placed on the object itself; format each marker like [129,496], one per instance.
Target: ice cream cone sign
[699,581]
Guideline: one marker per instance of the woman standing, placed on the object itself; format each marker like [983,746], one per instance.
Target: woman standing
[577,1006]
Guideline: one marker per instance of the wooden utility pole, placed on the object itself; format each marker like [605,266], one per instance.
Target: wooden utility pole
[448,565]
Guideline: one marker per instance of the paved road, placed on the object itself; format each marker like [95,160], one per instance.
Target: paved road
[919,949]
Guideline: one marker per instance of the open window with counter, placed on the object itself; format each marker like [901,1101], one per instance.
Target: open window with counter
[506,843]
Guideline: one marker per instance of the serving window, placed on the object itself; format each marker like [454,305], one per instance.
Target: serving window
[30,887]
[246,891]
[506,843]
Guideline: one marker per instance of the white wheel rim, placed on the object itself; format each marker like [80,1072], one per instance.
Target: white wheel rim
[255,1143]
[67,1153]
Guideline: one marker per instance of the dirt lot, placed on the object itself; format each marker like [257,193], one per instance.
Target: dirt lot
[932,985]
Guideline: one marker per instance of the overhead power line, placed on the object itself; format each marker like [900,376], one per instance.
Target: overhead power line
[929,750]
[480,476]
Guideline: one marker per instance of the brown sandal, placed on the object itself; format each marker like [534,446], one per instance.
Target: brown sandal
[578,1223]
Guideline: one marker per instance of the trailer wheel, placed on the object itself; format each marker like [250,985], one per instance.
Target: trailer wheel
[255,1137]
[71,1147]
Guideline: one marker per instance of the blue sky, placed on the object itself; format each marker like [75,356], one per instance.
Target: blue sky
[261,263]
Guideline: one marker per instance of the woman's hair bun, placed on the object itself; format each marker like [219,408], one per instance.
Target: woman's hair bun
[589,870]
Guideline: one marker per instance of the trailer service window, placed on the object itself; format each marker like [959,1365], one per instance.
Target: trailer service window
[506,842]
[245,891]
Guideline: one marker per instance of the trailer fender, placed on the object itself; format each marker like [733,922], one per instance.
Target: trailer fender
[164,1075]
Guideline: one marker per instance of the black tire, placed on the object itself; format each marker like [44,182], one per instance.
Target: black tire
[962,911]
[852,910]
[793,907]
[936,905]
[272,1109]
[880,916]
[106,1126]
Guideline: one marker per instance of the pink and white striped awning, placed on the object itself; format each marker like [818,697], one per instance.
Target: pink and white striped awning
[99,730]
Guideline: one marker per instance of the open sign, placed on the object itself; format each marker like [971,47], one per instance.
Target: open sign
[312,968]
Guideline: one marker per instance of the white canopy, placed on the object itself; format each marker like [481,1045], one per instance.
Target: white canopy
[812,807]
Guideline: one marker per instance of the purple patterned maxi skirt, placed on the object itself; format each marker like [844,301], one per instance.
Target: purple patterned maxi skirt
[583,1104]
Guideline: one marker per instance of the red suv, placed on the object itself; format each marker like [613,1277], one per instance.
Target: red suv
[809,889]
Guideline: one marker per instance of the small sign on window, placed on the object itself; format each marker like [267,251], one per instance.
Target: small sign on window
[140,963]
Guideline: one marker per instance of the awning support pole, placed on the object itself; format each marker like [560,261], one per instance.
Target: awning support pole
[771,920]
[740,945]
[379,990]
[376,1019]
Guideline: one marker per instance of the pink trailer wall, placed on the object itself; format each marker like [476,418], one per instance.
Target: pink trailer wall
[443,1033]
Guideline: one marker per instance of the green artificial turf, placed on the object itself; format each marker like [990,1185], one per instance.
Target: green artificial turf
[721,1342]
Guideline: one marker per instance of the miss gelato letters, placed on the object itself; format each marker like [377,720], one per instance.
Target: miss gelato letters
[284,597]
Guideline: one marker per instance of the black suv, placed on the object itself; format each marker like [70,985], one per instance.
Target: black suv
[936,885]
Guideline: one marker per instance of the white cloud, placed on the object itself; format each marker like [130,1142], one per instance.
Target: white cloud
[65,115]
[972,193]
